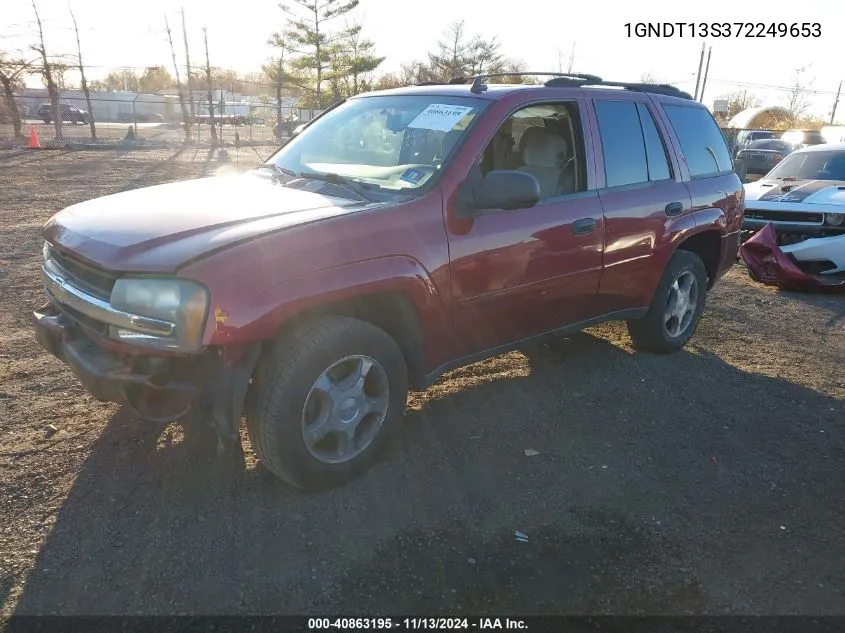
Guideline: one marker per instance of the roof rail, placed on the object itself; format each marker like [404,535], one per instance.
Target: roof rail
[479,83]
[560,80]
[661,89]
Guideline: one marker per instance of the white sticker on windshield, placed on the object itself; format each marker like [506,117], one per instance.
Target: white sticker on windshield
[439,117]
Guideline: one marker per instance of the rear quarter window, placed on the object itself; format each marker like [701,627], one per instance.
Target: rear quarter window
[701,141]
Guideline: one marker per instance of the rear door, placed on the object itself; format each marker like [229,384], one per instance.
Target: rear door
[640,189]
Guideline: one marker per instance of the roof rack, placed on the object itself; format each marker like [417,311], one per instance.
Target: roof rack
[455,81]
[479,83]
[560,80]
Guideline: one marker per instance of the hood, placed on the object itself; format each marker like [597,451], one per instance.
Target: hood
[159,228]
[819,195]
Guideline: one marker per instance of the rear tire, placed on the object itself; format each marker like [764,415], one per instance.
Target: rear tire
[676,309]
[304,416]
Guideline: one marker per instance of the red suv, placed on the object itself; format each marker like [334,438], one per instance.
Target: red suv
[400,235]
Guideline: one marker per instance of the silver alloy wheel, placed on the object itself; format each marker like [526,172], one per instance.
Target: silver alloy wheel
[681,303]
[345,409]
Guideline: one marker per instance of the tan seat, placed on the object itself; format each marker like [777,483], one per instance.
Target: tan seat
[545,154]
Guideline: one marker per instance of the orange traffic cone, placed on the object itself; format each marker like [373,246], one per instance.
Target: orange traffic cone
[33,138]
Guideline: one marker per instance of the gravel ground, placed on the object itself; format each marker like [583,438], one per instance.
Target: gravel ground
[707,482]
[147,132]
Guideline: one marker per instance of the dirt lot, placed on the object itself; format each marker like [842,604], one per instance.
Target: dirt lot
[705,482]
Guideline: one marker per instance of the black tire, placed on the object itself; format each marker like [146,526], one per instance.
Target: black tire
[650,332]
[282,384]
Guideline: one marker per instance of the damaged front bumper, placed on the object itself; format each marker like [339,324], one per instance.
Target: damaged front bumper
[157,388]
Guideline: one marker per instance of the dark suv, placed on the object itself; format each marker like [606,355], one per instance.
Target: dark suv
[68,113]
[400,235]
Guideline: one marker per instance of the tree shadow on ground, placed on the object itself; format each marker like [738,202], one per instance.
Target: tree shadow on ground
[672,484]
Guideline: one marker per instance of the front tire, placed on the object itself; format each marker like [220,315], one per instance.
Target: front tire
[327,400]
[676,309]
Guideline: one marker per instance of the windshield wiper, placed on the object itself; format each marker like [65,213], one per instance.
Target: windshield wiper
[358,188]
[336,179]
[278,171]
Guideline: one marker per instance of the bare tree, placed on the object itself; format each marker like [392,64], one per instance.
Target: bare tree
[188,64]
[650,78]
[797,99]
[81,67]
[46,71]
[210,90]
[12,70]
[185,121]
[564,62]
[739,101]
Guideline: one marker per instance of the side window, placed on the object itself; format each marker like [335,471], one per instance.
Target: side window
[701,140]
[544,140]
[658,162]
[622,143]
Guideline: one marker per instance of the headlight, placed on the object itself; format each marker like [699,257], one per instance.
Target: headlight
[834,219]
[182,302]
[45,251]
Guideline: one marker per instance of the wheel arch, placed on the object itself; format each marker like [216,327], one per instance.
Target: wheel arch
[390,310]
[707,244]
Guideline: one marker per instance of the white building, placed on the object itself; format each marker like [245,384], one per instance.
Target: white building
[117,105]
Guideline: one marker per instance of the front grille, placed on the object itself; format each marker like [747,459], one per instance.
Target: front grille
[784,216]
[95,282]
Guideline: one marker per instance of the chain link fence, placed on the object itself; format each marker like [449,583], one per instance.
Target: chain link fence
[139,120]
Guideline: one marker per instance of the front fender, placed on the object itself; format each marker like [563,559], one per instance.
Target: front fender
[263,316]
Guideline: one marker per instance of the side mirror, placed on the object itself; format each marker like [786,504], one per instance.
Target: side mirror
[502,189]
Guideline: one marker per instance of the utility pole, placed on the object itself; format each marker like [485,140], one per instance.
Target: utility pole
[706,71]
[835,103]
[698,77]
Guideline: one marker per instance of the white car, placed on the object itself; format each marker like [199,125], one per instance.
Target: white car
[819,255]
[802,197]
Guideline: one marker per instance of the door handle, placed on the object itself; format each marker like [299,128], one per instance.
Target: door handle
[584,226]
[674,208]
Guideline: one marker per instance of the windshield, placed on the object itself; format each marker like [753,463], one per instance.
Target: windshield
[756,136]
[811,166]
[780,146]
[395,143]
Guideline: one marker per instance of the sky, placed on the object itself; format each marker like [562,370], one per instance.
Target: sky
[542,33]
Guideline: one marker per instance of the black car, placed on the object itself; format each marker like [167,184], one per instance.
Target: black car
[68,113]
[760,157]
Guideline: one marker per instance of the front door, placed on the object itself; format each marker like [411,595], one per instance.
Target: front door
[519,273]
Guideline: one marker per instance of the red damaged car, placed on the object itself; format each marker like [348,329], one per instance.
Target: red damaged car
[400,235]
